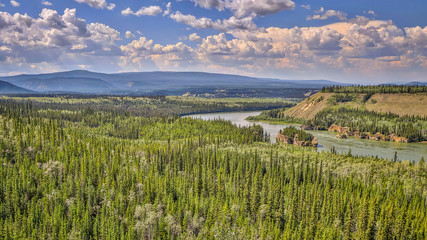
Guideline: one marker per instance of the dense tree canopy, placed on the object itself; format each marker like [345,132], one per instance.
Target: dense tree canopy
[389,89]
[96,173]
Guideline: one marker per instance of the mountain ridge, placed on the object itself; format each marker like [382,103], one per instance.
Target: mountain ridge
[155,81]
[8,88]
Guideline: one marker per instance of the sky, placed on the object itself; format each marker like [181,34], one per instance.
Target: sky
[362,42]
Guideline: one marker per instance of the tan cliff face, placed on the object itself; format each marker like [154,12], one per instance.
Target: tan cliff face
[308,108]
[286,140]
[344,132]
[336,128]
[395,138]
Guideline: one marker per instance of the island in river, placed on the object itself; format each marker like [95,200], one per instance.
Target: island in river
[292,135]
[328,140]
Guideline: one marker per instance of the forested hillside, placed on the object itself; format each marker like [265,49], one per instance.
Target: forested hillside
[388,89]
[390,113]
[82,168]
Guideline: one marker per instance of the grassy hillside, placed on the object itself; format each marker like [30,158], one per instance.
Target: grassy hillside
[400,104]
[388,113]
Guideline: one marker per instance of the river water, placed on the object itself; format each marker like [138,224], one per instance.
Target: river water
[327,140]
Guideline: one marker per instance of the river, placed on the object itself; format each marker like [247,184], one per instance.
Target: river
[327,140]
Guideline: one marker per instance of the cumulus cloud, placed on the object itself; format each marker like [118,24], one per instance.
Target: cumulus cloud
[260,8]
[221,25]
[47,3]
[328,14]
[129,34]
[150,11]
[242,8]
[361,20]
[219,4]
[54,38]
[143,51]
[194,37]
[168,9]
[349,47]
[358,47]
[101,4]
[15,3]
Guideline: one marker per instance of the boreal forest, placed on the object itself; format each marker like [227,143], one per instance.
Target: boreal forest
[94,167]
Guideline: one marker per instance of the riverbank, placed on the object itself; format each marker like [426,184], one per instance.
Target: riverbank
[328,140]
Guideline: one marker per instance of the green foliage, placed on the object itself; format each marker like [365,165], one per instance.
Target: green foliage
[341,98]
[147,106]
[72,172]
[410,127]
[302,135]
[368,96]
[370,90]
[275,115]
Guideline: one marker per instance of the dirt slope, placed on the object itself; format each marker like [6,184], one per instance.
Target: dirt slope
[402,104]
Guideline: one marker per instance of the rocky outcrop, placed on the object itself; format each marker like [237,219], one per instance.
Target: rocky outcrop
[305,127]
[395,138]
[314,142]
[344,132]
[375,137]
[341,136]
[308,127]
[284,139]
[336,128]
[295,141]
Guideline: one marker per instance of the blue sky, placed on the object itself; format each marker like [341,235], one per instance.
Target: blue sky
[350,41]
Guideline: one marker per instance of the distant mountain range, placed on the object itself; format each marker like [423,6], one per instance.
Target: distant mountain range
[80,81]
[8,88]
[170,83]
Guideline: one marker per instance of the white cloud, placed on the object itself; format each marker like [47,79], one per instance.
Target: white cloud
[194,37]
[111,6]
[308,7]
[15,3]
[260,8]
[150,11]
[129,34]
[320,10]
[5,49]
[372,13]
[142,52]
[101,4]
[242,8]
[328,14]
[55,39]
[2,5]
[219,4]
[47,3]
[168,9]
[359,48]
[361,20]
[221,25]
